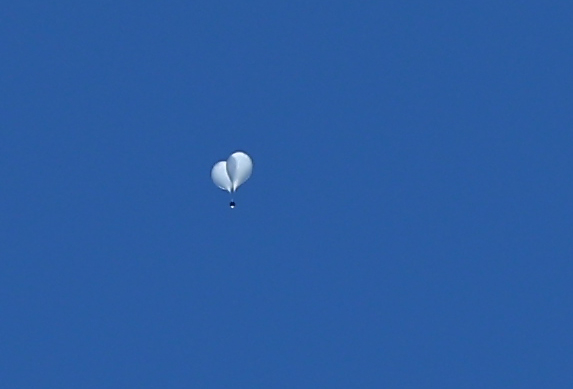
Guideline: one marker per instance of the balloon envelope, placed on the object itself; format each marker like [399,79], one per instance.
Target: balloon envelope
[220,177]
[239,169]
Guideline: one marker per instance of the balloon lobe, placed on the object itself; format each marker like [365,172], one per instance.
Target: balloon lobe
[239,168]
[220,177]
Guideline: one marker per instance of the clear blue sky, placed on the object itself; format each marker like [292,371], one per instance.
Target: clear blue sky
[408,223]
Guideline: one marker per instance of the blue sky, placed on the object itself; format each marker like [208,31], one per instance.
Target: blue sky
[407,224]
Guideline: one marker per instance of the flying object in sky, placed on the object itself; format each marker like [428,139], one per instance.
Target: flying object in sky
[232,173]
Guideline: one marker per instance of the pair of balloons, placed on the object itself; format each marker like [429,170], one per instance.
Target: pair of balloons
[232,173]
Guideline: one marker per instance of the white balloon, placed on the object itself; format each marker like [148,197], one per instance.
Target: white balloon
[232,173]
[239,168]
[220,177]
